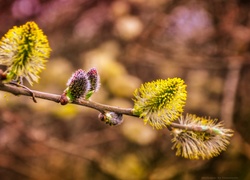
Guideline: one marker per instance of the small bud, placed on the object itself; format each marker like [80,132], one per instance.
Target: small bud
[64,99]
[94,80]
[78,85]
[2,75]
[111,118]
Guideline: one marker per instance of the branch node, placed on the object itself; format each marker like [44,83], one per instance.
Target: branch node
[28,89]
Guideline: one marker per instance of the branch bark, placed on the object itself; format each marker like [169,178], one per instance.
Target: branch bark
[56,98]
[13,89]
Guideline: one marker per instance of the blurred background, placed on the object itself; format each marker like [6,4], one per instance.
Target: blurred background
[207,43]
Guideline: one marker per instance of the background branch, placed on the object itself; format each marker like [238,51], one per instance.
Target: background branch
[230,90]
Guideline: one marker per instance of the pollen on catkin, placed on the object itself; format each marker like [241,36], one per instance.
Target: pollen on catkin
[160,102]
[207,139]
[24,50]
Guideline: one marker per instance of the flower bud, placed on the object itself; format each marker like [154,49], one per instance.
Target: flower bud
[2,75]
[64,99]
[111,118]
[78,86]
[94,80]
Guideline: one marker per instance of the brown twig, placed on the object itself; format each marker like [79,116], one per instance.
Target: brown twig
[91,104]
[28,89]
[56,98]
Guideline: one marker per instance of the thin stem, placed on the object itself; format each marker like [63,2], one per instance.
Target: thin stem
[28,89]
[56,98]
[191,128]
[103,107]
[91,104]
[21,91]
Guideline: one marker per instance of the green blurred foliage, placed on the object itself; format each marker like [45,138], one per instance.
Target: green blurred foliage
[129,42]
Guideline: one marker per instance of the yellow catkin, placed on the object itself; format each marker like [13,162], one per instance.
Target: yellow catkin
[24,50]
[160,102]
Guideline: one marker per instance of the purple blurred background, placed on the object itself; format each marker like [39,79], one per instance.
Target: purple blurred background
[207,43]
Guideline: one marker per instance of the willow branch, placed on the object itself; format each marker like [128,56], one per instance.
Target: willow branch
[56,98]
[13,89]
[25,92]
